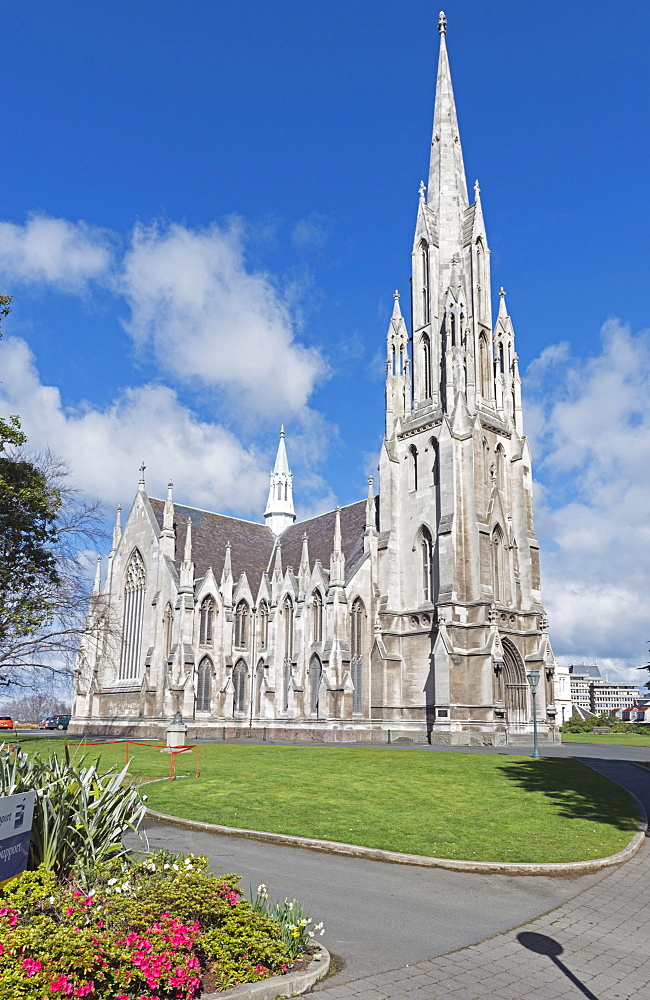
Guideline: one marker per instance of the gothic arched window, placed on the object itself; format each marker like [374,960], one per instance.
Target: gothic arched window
[315,675]
[452,327]
[426,555]
[426,366]
[357,615]
[239,688]
[317,617]
[264,624]
[357,618]
[206,616]
[259,680]
[500,466]
[484,367]
[241,625]
[204,685]
[287,616]
[168,628]
[498,565]
[424,263]
[435,462]
[413,467]
[132,619]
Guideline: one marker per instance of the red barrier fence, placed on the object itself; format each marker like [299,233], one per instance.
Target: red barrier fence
[163,748]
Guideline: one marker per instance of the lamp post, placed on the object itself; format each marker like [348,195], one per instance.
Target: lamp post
[533,680]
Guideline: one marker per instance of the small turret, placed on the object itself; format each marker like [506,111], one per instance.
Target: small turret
[304,571]
[279,513]
[337,558]
[168,534]
[187,566]
[97,585]
[227,582]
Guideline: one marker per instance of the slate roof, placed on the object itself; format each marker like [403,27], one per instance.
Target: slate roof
[253,545]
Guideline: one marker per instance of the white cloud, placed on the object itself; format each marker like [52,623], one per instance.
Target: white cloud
[592,425]
[311,233]
[105,447]
[211,321]
[54,251]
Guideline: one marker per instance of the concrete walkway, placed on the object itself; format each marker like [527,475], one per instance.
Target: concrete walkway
[594,945]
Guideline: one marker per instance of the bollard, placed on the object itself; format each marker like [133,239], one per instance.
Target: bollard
[223,733]
[389,735]
[264,735]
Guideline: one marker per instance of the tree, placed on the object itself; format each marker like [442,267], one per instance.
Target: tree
[35,706]
[46,539]
[46,530]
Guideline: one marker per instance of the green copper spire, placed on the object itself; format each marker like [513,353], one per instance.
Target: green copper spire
[281,467]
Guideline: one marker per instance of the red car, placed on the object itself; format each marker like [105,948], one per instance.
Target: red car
[6,722]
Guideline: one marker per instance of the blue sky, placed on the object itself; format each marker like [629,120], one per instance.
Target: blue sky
[205,208]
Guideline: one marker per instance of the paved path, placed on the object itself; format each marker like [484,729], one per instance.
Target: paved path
[594,945]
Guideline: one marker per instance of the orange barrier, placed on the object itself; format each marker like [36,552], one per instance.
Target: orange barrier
[172,751]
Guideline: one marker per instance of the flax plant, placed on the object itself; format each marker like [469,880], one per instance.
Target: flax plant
[80,815]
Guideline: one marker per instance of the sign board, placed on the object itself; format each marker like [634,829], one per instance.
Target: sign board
[16,812]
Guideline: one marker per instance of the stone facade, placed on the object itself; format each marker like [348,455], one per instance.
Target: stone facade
[418,612]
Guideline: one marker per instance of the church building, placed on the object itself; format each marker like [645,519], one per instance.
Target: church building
[413,614]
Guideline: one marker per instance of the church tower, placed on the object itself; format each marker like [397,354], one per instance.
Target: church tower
[279,513]
[460,619]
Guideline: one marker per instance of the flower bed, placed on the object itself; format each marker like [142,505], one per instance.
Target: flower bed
[158,928]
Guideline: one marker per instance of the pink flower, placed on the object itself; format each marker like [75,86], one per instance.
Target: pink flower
[11,914]
[61,985]
[83,991]
[31,966]
[69,911]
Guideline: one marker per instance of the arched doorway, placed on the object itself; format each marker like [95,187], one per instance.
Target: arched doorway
[516,685]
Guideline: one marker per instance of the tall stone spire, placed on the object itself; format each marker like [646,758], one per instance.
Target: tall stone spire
[447,191]
[279,513]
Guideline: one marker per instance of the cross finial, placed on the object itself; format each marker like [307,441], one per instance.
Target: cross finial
[442,23]
[422,189]
[502,291]
[395,294]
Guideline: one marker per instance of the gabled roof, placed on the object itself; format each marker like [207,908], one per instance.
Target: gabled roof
[320,537]
[252,544]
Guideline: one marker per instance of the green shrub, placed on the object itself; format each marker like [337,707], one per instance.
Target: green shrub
[144,931]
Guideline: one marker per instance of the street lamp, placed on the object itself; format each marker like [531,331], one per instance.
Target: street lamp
[533,680]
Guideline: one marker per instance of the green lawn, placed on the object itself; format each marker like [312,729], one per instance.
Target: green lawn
[488,808]
[617,739]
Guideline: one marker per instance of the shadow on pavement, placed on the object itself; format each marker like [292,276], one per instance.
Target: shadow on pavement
[543,945]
